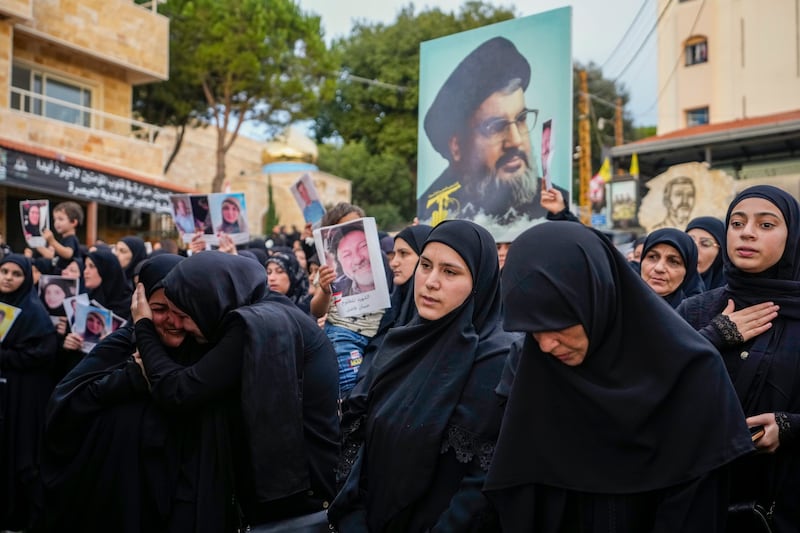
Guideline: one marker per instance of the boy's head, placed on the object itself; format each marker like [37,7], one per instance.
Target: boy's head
[67,216]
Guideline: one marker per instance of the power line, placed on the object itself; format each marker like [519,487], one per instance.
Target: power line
[647,38]
[625,36]
[678,62]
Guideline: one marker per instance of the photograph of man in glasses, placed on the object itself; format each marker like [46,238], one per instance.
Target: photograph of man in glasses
[483,123]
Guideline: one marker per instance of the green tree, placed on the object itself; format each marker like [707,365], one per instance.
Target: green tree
[263,60]
[374,110]
[271,216]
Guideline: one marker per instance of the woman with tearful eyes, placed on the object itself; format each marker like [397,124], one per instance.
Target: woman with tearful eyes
[754,321]
[620,417]
[269,371]
[117,461]
[432,415]
[669,265]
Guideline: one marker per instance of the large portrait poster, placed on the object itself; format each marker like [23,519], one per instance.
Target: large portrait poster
[485,95]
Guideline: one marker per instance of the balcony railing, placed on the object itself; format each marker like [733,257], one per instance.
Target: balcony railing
[78,115]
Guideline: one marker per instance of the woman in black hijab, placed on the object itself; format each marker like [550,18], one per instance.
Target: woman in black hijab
[130,251]
[669,265]
[408,245]
[285,276]
[272,368]
[113,459]
[619,417]
[432,415]
[26,356]
[106,282]
[709,236]
[754,321]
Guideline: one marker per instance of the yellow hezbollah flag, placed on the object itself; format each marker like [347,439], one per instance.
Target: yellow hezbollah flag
[605,170]
[635,165]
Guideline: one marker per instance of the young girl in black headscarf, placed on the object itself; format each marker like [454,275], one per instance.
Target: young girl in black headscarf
[754,321]
[26,356]
[620,417]
[408,245]
[272,369]
[432,416]
[669,265]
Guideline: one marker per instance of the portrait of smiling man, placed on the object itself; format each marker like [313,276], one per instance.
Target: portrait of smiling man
[350,248]
[483,122]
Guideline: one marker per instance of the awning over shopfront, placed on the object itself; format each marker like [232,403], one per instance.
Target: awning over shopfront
[65,178]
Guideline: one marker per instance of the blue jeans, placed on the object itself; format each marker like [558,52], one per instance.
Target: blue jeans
[349,347]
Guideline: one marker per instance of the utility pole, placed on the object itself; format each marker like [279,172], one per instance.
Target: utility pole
[584,141]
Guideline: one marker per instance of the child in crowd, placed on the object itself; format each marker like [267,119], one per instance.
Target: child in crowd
[67,216]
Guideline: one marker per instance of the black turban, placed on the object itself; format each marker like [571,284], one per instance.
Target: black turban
[486,70]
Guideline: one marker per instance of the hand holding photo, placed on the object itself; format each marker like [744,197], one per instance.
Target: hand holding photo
[353,250]
[93,324]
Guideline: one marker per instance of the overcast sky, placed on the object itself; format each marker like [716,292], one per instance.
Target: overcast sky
[597,29]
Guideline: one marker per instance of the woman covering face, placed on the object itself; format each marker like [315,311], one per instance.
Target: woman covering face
[432,396]
[669,265]
[609,356]
[754,322]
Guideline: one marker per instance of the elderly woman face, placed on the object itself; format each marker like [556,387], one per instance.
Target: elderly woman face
[568,345]
[124,254]
[442,281]
[663,269]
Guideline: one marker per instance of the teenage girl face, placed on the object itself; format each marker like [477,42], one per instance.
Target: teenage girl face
[404,261]
[277,279]
[11,277]
[757,235]
[124,254]
[54,296]
[442,281]
[91,276]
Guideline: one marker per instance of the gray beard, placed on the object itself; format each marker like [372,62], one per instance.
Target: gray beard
[521,189]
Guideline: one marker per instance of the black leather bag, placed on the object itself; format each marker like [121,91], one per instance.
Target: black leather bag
[749,517]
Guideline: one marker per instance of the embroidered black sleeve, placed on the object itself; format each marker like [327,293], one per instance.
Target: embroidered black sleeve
[352,439]
[787,427]
[468,446]
[727,330]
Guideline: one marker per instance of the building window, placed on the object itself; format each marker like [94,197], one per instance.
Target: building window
[697,117]
[696,51]
[42,93]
